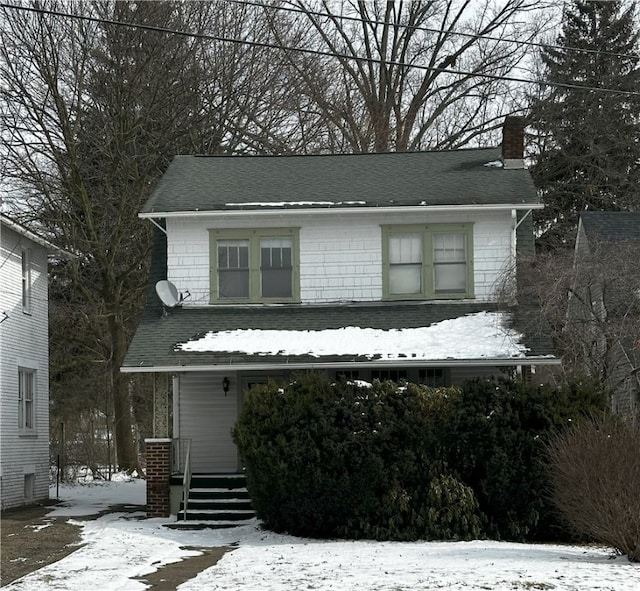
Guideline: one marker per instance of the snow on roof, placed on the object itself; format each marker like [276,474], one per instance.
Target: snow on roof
[483,335]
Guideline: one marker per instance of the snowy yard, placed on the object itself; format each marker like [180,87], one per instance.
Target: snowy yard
[119,546]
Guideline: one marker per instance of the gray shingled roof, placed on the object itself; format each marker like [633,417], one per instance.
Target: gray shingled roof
[457,177]
[611,225]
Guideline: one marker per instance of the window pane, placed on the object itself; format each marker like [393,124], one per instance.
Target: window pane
[276,283]
[233,254]
[244,256]
[233,260]
[405,279]
[448,248]
[26,281]
[405,264]
[276,269]
[233,268]
[233,284]
[450,277]
[449,263]
[432,377]
[276,252]
[21,399]
[405,248]
[26,392]
[223,256]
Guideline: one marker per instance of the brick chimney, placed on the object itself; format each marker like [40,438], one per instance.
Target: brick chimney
[513,142]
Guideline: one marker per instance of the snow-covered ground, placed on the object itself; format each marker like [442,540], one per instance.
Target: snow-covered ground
[119,546]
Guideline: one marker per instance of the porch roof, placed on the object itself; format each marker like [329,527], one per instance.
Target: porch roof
[233,337]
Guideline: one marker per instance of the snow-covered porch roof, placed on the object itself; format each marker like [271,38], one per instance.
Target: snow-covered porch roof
[346,335]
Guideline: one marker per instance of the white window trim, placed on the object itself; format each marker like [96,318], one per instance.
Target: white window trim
[22,401]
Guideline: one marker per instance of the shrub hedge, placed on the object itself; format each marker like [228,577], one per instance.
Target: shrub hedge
[402,462]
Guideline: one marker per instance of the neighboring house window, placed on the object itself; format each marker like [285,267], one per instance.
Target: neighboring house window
[255,265]
[395,375]
[428,262]
[348,374]
[26,398]
[26,281]
[434,377]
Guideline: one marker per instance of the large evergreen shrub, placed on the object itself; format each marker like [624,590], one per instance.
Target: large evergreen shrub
[345,460]
[409,462]
[496,443]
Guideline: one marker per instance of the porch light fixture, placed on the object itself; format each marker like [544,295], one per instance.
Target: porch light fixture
[225,385]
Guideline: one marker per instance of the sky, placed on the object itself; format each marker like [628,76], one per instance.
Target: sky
[483,335]
[119,546]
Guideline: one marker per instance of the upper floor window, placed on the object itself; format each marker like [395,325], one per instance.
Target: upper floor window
[255,265]
[26,281]
[26,398]
[428,261]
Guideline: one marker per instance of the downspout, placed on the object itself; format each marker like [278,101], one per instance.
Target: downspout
[524,373]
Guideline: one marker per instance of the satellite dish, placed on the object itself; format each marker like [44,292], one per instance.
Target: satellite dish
[167,293]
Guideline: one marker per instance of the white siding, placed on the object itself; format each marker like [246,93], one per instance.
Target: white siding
[23,343]
[340,255]
[206,416]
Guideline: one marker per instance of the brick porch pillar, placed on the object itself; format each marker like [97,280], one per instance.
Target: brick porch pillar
[158,453]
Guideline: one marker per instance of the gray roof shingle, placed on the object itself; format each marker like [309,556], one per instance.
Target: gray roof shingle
[611,225]
[456,177]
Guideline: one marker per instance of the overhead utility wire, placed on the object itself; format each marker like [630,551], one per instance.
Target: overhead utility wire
[265,45]
[343,17]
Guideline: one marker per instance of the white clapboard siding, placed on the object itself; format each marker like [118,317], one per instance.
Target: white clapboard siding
[24,455]
[206,416]
[340,254]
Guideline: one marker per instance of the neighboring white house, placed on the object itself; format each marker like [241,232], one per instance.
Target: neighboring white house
[24,365]
[368,266]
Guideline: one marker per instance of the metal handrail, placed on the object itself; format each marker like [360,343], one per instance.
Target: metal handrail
[186,481]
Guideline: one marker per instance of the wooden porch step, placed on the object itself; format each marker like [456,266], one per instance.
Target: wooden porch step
[221,499]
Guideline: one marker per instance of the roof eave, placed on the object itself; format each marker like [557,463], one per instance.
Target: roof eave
[20,229]
[283,365]
[342,210]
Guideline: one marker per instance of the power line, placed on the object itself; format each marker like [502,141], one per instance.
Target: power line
[432,30]
[264,45]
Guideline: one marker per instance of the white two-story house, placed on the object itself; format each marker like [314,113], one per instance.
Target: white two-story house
[24,365]
[369,266]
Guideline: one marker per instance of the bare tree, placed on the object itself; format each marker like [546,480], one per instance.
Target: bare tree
[595,474]
[92,113]
[407,75]
[591,308]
